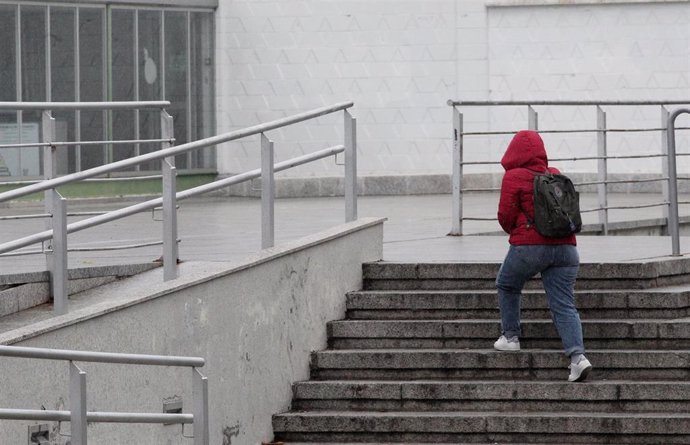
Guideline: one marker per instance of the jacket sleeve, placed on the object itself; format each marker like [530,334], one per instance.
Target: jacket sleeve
[509,203]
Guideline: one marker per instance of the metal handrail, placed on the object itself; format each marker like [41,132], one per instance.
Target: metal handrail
[457,103]
[99,417]
[113,215]
[124,105]
[100,357]
[581,158]
[78,416]
[668,178]
[87,143]
[673,223]
[173,151]
[580,130]
[55,203]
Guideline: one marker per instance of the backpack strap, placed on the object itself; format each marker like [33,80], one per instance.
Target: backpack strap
[530,221]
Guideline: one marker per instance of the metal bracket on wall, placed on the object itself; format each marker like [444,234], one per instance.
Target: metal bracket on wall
[39,434]
[173,406]
[153,213]
[253,187]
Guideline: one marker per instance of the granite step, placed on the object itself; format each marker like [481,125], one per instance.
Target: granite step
[393,443]
[447,276]
[502,395]
[483,427]
[488,364]
[669,302]
[480,334]
[413,361]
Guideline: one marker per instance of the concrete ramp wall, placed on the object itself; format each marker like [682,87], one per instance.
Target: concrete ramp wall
[255,323]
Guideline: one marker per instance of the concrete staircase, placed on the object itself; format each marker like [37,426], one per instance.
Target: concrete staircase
[413,363]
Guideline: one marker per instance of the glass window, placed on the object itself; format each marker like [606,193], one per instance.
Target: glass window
[63,88]
[176,58]
[8,48]
[33,31]
[91,60]
[62,54]
[202,71]
[156,53]
[9,157]
[33,81]
[149,80]
[123,87]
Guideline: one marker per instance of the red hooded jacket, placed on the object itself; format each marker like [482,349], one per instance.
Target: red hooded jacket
[524,158]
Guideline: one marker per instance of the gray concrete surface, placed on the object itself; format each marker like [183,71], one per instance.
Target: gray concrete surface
[227,229]
[256,339]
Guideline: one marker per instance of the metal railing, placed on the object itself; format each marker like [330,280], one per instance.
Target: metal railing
[668,178]
[673,217]
[78,416]
[56,205]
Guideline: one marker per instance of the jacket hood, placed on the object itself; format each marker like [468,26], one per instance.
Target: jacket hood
[526,150]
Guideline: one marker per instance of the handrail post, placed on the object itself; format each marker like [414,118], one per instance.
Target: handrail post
[77,401]
[532,118]
[664,168]
[602,170]
[170,250]
[267,193]
[673,224]
[57,259]
[200,395]
[350,167]
[456,179]
[49,161]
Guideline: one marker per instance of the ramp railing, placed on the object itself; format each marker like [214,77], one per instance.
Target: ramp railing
[668,178]
[56,204]
[78,416]
[673,214]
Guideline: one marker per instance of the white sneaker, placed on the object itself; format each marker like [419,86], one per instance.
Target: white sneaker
[507,344]
[580,370]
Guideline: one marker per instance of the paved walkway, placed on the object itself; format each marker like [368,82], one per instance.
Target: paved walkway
[227,229]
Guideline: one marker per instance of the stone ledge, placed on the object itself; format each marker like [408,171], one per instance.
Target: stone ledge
[149,285]
[424,184]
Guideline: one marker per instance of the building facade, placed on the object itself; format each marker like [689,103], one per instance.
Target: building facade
[401,60]
[229,64]
[93,51]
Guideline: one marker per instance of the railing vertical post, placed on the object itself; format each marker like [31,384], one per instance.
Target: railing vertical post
[200,394]
[532,118]
[673,224]
[49,160]
[350,167]
[50,151]
[170,250]
[456,186]
[664,168]
[54,204]
[57,259]
[267,193]
[602,170]
[77,402]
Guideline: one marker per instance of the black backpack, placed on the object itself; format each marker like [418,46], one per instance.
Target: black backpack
[556,206]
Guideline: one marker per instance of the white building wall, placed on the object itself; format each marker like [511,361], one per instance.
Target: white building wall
[401,60]
[612,51]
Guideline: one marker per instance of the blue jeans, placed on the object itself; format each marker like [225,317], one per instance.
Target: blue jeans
[558,265]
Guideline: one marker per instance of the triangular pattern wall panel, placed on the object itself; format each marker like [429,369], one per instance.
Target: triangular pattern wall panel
[592,52]
[401,60]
